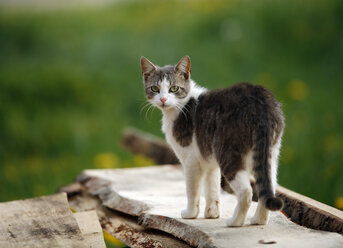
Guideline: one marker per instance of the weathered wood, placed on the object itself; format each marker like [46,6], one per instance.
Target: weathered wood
[40,222]
[123,227]
[72,189]
[90,228]
[311,213]
[156,195]
[302,210]
[145,144]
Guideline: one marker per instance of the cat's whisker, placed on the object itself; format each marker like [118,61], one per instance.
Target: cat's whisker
[185,110]
[152,111]
[148,106]
[145,104]
[179,107]
[181,110]
[144,107]
[147,112]
[186,107]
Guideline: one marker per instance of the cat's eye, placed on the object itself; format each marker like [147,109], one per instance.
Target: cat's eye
[154,89]
[174,88]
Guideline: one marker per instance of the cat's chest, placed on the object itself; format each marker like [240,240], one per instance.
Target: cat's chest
[167,129]
[182,152]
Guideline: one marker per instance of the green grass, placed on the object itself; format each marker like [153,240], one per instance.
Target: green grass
[70,81]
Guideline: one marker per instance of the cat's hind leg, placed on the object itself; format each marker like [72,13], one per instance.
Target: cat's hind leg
[194,176]
[212,192]
[243,191]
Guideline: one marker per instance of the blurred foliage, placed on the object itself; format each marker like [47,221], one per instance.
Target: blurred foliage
[70,81]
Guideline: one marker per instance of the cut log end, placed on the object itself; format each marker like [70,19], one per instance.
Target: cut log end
[145,144]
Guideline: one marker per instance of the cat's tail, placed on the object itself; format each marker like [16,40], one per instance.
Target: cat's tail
[262,168]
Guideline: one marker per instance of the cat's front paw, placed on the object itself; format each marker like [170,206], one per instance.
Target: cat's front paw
[212,211]
[190,213]
[235,222]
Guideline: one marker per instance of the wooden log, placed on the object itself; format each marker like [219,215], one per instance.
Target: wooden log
[302,210]
[43,222]
[123,227]
[145,144]
[156,196]
[72,189]
[311,213]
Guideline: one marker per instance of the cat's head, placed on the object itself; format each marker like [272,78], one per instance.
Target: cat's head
[167,87]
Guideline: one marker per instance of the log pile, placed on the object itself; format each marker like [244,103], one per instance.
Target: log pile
[151,198]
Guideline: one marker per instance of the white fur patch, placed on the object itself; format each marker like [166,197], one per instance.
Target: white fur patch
[243,191]
[274,162]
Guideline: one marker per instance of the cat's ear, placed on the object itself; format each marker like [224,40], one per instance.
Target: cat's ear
[147,67]
[184,66]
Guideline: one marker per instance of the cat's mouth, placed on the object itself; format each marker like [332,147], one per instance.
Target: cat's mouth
[162,106]
[165,106]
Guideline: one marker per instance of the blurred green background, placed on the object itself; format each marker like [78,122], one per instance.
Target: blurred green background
[70,81]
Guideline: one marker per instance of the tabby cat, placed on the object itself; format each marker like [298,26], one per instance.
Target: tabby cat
[233,132]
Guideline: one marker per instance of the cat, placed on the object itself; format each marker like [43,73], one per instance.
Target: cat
[233,132]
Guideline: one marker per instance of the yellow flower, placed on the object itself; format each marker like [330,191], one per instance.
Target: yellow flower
[339,202]
[141,161]
[297,90]
[106,161]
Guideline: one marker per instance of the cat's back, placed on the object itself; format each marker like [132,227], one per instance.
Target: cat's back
[241,95]
[236,113]
[242,101]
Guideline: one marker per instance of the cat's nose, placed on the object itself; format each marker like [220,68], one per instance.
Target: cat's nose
[163,100]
